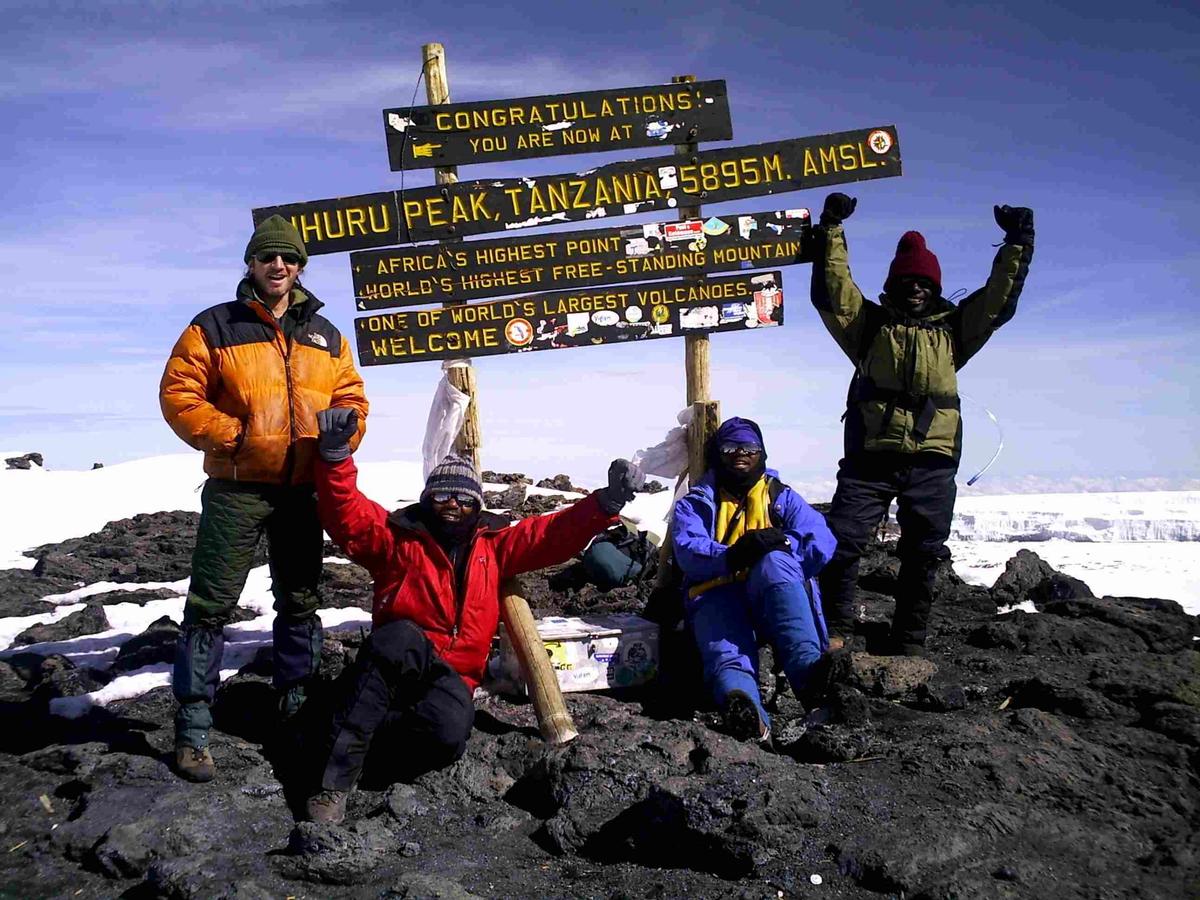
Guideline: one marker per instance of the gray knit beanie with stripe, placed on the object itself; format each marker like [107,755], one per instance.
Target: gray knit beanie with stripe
[454,473]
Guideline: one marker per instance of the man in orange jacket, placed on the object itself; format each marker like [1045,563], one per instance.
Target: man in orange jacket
[438,567]
[243,384]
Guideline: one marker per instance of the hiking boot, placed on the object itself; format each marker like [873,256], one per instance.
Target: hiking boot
[908,648]
[741,718]
[328,807]
[194,764]
[836,642]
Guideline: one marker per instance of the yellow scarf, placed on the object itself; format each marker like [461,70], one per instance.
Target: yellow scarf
[734,519]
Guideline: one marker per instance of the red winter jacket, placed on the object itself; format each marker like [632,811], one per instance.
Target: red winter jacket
[413,576]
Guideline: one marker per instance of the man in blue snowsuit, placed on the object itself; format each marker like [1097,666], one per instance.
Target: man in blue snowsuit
[750,548]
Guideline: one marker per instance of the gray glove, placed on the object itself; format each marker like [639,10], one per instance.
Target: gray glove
[1017,222]
[336,426]
[838,208]
[620,489]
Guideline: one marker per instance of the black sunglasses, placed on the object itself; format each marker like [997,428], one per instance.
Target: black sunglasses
[446,496]
[266,256]
[732,447]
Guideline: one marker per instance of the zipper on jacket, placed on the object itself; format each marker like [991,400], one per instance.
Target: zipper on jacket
[460,599]
[287,372]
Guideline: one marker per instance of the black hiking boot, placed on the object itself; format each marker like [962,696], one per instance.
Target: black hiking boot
[741,718]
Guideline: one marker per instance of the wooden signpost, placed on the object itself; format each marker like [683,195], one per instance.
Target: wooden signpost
[463,208]
[438,273]
[456,134]
[582,318]
[584,287]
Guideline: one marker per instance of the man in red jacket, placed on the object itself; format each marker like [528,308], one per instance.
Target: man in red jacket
[438,567]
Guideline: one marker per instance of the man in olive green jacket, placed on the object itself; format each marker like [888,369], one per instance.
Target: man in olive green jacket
[903,435]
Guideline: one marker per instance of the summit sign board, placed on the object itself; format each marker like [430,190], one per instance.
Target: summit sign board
[620,188]
[473,270]
[588,317]
[455,134]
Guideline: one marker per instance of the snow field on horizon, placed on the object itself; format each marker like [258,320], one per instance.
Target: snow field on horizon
[54,506]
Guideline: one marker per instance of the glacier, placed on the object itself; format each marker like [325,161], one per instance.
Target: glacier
[1115,517]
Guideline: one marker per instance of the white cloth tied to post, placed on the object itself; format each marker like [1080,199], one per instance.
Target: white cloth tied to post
[669,456]
[446,416]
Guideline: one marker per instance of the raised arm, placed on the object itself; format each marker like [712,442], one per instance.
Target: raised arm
[980,314]
[836,297]
[188,381]
[540,541]
[356,524]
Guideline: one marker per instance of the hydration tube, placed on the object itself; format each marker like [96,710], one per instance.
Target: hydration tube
[999,434]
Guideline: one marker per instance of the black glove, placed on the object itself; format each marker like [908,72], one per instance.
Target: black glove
[753,546]
[620,488]
[336,426]
[838,208]
[1017,222]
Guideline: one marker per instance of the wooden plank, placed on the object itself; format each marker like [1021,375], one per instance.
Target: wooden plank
[620,188]
[526,127]
[583,318]
[473,270]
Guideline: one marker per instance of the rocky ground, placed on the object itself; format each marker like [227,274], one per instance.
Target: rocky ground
[1047,754]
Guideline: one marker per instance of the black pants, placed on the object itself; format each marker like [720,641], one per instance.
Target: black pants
[401,700]
[924,490]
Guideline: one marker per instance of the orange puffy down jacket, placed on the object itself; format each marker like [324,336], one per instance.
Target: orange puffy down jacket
[414,578]
[238,389]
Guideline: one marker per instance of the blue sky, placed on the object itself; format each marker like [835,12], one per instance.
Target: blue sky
[140,135]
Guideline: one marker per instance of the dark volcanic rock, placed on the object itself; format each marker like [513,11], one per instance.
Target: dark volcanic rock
[510,498]
[339,855]
[147,547]
[491,477]
[25,461]
[560,483]
[154,645]
[140,597]
[89,620]
[1030,755]
[346,585]
[1028,577]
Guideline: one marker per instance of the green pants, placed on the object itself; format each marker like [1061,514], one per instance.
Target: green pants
[234,516]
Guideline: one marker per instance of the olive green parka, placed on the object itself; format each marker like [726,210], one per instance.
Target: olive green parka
[904,395]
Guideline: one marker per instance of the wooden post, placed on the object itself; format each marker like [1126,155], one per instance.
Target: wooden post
[437,91]
[695,346]
[554,720]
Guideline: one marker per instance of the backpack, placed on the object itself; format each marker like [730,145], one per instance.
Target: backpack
[618,558]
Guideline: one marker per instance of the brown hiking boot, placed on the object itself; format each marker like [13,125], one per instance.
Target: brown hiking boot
[836,643]
[194,763]
[328,807]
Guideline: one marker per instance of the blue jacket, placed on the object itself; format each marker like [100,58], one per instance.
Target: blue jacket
[702,558]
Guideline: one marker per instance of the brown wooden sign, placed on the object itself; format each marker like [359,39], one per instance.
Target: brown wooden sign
[621,188]
[456,134]
[471,270]
[583,318]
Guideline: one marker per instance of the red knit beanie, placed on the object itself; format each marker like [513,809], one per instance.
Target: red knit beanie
[914,259]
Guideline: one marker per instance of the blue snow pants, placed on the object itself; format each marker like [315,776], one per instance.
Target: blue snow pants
[774,605]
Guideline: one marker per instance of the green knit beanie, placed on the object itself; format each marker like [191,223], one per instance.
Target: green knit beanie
[276,235]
